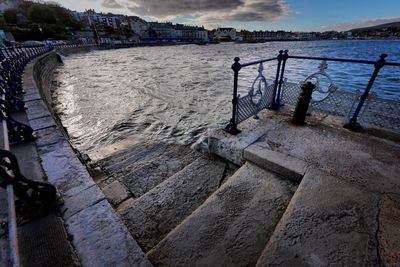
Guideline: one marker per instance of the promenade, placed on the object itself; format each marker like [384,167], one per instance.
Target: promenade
[274,195]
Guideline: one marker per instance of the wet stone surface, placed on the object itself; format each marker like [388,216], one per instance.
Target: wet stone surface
[143,166]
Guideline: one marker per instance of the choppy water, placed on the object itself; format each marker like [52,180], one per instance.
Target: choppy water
[176,93]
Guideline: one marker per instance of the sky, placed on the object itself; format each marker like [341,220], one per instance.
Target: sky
[290,15]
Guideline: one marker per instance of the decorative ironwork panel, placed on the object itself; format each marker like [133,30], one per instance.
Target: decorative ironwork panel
[258,98]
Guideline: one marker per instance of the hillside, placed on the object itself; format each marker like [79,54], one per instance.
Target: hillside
[395,25]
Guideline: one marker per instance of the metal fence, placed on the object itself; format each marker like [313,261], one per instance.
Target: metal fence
[32,195]
[357,107]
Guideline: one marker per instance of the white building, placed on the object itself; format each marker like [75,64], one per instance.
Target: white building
[89,16]
[225,34]
[139,26]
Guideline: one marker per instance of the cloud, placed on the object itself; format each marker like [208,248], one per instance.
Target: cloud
[212,11]
[360,24]
[111,4]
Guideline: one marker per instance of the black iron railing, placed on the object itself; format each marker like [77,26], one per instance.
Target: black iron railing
[37,197]
[270,97]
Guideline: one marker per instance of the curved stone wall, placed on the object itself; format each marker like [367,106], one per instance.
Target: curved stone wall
[98,235]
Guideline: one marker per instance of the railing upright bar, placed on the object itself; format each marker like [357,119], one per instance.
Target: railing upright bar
[278,70]
[352,124]
[278,96]
[232,126]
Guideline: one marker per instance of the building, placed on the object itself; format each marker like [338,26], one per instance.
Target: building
[191,32]
[162,29]
[139,26]
[90,17]
[225,34]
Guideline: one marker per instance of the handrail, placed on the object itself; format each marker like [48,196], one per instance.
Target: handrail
[275,104]
[12,217]
[257,62]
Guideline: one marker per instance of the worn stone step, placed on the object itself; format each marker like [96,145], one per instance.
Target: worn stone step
[145,165]
[125,161]
[285,165]
[328,222]
[152,216]
[232,227]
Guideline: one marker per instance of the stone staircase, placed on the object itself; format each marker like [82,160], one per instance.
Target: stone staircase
[275,210]
[205,213]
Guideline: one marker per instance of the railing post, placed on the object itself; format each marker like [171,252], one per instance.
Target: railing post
[278,70]
[278,96]
[232,126]
[353,124]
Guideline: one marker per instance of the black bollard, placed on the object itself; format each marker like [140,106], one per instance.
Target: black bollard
[303,102]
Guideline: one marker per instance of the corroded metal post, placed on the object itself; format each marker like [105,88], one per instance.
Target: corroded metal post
[232,126]
[278,95]
[353,124]
[303,103]
[278,70]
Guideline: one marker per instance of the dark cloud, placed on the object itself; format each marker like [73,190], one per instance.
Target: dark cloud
[212,10]
[181,7]
[111,4]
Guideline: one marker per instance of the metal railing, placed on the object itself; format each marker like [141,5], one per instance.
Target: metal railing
[31,195]
[261,95]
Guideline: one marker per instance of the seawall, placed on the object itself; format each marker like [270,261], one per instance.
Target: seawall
[98,235]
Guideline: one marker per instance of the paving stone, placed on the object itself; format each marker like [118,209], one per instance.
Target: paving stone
[31,96]
[231,147]
[50,139]
[115,192]
[232,227]
[280,163]
[79,201]
[101,239]
[65,171]
[389,230]
[328,222]
[157,212]
[41,123]
[36,109]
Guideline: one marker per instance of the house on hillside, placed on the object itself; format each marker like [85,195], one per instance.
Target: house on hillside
[225,34]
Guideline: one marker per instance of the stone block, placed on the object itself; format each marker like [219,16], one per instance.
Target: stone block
[232,227]
[101,239]
[389,230]
[115,192]
[65,171]
[285,165]
[157,212]
[36,109]
[80,200]
[328,222]
[43,122]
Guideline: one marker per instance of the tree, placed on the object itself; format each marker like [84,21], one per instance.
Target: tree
[10,15]
[39,13]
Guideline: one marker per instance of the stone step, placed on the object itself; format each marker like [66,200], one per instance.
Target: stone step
[152,216]
[232,227]
[285,165]
[328,222]
[126,160]
[144,166]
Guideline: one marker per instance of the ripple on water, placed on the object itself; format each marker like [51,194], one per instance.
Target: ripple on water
[176,93]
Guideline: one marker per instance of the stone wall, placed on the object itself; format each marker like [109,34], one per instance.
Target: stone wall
[98,235]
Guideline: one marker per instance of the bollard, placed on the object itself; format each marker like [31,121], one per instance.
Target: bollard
[303,102]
